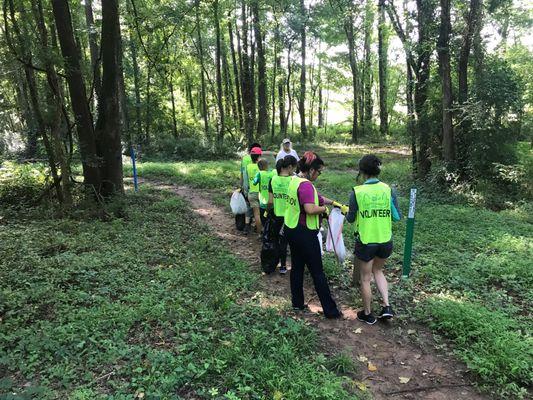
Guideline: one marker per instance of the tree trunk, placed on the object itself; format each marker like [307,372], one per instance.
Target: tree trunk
[424,19]
[281,99]
[108,124]
[443,48]
[320,113]
[289,92]
[220,102]
[471,26]
[382,70]
[136,79]
[301,99]
[123,99]
[148,114]
[78,99]
[202,74]
[274,82]
[262,120]
[54,101]
[367,76]
[236,76]
[95,53]
[246,80]
[348,29]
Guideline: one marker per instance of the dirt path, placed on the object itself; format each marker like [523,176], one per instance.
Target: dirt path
[432,376]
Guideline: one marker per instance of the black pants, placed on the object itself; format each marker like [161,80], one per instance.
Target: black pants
[305,250]
[282,241]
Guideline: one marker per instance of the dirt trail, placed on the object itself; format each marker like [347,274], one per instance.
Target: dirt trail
[432,376]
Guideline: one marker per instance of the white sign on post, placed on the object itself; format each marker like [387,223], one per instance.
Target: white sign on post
[412,203]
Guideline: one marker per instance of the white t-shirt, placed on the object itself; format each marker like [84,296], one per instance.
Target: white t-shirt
[282,154]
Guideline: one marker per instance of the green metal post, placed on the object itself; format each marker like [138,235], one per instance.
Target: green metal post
[409,233]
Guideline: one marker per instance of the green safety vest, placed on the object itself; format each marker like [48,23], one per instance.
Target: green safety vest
[292,206]
[374,214]
[247,159]
[252,169]
[280,186]
[264,180]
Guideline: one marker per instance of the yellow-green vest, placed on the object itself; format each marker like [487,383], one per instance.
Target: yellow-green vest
[264,180]
[374,214]
[292,207]
[252,169]
[280,186]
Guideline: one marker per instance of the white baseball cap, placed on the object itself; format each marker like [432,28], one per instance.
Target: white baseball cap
[286,140]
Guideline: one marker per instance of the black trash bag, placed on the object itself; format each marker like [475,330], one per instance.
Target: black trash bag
[270,247]
[240,221]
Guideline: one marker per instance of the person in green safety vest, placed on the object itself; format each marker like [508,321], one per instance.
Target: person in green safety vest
[244,184]
[373,206]
[253,189]
[262,178]
[301,224]
[277,198]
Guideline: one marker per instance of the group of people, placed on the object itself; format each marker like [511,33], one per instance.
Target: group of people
[287,195]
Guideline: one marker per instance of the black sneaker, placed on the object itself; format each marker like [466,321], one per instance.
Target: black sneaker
[386,312]
[283,270]
[369,319]
[305,307]
[247,228]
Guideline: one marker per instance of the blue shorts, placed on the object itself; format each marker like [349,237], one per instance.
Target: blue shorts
[367,252]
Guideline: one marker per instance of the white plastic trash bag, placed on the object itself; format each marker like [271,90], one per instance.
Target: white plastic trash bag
[238,203]
[334,239]
[320,241]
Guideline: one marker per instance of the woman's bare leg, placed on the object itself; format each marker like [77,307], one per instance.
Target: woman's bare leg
[381,281]
[366,276]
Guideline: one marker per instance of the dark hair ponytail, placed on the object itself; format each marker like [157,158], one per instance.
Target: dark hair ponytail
[289,161]
[370,165]
[310,160]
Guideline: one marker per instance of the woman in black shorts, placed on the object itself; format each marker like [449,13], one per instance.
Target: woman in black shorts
[373,207]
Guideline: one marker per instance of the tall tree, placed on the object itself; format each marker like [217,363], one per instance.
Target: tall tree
[382,69]
[248,97]
[77,89]
[443,49]
[108,124]
[367,68]
[202,68]
[236,75]
[303,79]
[350,35]
[94,50]
[262,120]
[218,56]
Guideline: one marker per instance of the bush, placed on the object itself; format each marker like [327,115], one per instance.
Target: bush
[21,184]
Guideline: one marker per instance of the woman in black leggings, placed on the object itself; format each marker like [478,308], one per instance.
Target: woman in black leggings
[302,222]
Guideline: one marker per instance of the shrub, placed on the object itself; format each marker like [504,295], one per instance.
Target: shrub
[21,184]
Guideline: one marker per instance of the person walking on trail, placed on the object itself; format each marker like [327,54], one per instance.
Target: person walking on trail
[253,189]
[262,178]
[277,198]
[373,206]
[286,150]
[245,185]
[302,221]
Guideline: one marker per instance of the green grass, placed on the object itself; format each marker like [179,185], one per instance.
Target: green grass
[472,278]
[146,303]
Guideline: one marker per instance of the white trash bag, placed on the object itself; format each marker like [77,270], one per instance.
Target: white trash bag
[238,203]
[334,239]
[320,241]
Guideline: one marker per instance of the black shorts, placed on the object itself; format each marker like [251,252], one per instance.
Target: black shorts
[367,252]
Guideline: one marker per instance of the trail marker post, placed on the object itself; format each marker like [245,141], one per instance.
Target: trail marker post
[132,155]
[409,233]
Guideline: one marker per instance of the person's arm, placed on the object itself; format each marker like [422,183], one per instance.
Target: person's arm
[257,178]
[396,214]
[352,209]
[312,209]
[326,200]
[306,197]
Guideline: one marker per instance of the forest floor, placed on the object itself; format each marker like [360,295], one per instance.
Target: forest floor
[403,368]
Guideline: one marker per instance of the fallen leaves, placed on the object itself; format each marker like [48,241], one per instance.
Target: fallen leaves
[358,330]
[372,367]
[404,379]
[362,358]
